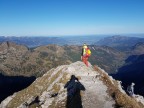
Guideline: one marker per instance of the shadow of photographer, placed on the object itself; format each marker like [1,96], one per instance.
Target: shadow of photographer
[73,93]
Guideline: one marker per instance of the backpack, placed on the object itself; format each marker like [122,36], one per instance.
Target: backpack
[88,52]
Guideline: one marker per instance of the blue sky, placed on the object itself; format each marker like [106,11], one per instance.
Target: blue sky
[70,17]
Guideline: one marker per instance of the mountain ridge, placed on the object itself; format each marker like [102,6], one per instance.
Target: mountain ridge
[122,43]
[19,60]
[101,91]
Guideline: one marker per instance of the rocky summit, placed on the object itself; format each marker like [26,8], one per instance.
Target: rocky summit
[94,89]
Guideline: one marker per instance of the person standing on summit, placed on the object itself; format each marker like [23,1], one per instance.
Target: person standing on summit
[130,89]
[85,54]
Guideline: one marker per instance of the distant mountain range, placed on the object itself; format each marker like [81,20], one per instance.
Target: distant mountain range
[20,60]
[118,42]
[40,41]
[33,41]
[122,43]
[110,56]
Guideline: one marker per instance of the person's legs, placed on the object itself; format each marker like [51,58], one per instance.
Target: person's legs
[132,94]
[85,60]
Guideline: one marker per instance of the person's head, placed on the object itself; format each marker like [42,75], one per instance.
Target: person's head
[85,45]
[73,78]
[132,84]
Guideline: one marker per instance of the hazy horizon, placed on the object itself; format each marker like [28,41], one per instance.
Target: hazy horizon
[93,35]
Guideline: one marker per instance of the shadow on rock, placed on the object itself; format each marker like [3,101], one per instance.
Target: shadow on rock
[11,84]
[73,93]
[132,71]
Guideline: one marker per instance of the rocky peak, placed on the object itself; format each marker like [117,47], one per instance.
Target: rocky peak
[5,45]
[100,90]
[10,46]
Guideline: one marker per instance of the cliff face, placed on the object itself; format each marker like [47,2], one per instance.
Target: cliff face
[95,89]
